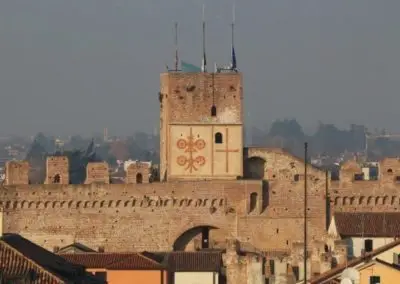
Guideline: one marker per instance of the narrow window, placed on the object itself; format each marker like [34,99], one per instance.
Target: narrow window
[296,177]
[213,110]
[218,138]
[253,201]
[368,245]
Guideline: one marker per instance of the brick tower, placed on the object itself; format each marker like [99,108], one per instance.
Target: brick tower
[201,132]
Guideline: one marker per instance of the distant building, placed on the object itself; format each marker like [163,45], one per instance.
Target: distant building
[364,232]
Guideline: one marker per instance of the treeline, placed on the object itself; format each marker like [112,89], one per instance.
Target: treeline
[328,140]
[81,151]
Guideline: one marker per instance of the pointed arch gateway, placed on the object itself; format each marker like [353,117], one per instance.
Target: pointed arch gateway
[187,236]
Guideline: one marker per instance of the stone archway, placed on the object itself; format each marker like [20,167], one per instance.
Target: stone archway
[255,168]
[187,236]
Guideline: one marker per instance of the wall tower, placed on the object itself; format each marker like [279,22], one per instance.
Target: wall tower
[201,120]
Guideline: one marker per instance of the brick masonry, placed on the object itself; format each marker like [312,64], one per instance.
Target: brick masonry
[126,217]
[263,207]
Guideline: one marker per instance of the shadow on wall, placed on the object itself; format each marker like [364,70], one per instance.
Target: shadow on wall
[254,168]
[184,239]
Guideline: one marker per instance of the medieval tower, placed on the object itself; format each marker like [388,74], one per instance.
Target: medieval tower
[201,125]
[201,122]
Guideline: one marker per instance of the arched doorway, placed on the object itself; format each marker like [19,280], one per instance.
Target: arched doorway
[186,237]
[255,168]
[139,178]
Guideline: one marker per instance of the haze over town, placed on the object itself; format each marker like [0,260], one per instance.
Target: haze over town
[76,67]
[279,164]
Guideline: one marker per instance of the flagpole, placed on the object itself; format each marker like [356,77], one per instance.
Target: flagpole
[305,210]
[204,61]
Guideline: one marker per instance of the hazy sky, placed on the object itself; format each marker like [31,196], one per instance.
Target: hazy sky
[78,66]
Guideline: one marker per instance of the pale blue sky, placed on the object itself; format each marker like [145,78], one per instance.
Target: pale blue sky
[78,66]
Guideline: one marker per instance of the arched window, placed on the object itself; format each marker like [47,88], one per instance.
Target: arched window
[139,178]
[213,110]
[218,138]
[57,178]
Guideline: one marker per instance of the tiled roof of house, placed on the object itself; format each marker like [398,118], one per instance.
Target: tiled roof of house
[195,261]
[20,257]
[327,276]
[95,259]
[135,261]
[113,261]
[368,224]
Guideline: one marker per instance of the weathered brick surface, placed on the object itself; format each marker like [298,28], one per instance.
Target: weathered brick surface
[350,195]
[123,217]
[200,106]
[268,214]
[57,170]
[189,97]
[264,208]
[138,172]
[17,172]
[97,172]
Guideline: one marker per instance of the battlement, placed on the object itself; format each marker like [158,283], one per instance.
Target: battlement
[385,171]
[17,172]
[58,172]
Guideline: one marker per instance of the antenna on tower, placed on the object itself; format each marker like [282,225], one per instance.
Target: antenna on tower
[176,47]
[233,56]
[204,61]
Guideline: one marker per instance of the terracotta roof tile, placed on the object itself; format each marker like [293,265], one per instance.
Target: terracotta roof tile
[113,261]
[95,259]
[194,261]
[325,277]
[135,261]
[19,257]
[368,224]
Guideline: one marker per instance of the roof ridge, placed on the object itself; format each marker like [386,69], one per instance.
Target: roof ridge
[41,268]
[148,258]
[140,255]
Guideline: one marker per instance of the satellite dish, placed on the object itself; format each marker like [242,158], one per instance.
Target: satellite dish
[346,281]
[352,275]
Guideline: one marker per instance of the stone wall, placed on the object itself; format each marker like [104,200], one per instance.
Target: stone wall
[123,217]
[139,172]
[191,96]
[57,170]
[201,126]
[350,194]
[97,172]
[17,172]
